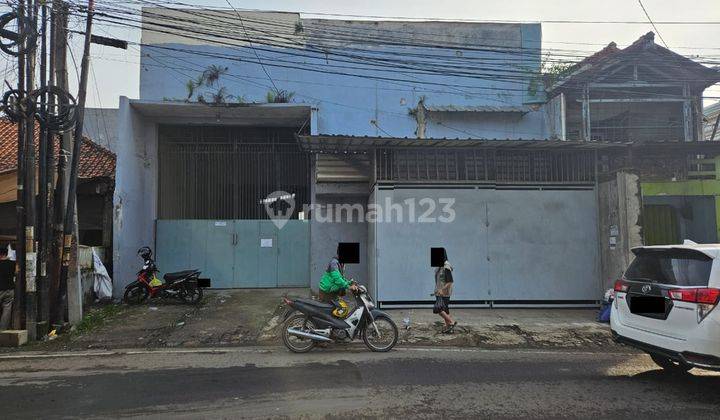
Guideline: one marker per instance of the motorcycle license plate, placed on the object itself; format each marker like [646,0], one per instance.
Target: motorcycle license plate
[203,282]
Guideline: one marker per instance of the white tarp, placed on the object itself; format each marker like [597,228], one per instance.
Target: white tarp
[102,284]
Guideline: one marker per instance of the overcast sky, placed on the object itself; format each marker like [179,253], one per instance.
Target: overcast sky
[116,72]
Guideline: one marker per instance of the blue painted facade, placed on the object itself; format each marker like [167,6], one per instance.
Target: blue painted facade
[370,90]
[353,88]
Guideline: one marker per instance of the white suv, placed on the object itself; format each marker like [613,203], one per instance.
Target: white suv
[665,305]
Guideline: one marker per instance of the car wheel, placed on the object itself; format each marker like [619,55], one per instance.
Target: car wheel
[670,365]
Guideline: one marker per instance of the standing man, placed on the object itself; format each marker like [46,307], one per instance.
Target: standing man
[7,288]
[443,291]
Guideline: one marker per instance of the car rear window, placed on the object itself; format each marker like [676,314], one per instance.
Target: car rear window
[679,267]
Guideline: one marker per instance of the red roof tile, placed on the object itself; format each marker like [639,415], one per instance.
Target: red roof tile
[95,160]
[682,68]
[609,49]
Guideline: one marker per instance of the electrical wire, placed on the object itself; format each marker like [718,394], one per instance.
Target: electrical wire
[231,44]
[253,49]
[651,23]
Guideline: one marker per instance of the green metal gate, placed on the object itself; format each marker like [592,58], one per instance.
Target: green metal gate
[660,225]
[237,253]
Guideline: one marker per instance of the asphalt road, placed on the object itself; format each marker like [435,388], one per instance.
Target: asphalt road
[341,383]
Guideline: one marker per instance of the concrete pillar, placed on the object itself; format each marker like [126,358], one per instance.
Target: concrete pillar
[619,224]
[74,282]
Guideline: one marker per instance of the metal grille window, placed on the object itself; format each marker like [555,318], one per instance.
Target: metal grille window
[225,172]
[491,165]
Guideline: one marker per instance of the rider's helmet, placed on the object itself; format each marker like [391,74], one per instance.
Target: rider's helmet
[145,253]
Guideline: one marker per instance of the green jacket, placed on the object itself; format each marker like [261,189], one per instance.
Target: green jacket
[332,280]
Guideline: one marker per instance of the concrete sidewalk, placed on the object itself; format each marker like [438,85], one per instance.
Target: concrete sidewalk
[490,328]
[503,328]
[254,317]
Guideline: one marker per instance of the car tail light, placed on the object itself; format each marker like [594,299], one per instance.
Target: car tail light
[683,295]
[621,286]
[708,296]
[704,295]
[706,299]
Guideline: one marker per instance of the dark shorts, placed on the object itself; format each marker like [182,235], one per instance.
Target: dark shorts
[442,304]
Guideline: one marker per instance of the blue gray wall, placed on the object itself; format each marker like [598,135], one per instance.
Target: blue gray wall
[377,102]
[503,244]
[135,199]
[324,237]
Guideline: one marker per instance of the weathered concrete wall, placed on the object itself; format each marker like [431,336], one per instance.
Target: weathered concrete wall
[354,89]
[372,251]
[620,206]
[325,235]
[101,125]
[135,199]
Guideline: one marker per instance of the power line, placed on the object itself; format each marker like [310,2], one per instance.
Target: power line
[361,63]
[304,53]
[651,23]
[468,20]
[253,49]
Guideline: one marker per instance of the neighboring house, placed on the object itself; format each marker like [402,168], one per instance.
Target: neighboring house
[100,124]
[95,188]
[647,93]
[638,93]
[712,122]
[686,205]
[536,221]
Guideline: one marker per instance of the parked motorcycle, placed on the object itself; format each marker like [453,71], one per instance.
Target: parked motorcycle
[182,285]
[311,322]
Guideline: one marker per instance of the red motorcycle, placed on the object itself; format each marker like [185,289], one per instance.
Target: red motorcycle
[182,285]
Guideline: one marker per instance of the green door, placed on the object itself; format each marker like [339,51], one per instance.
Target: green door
[246,253]
[660,225]
[294,254]
[237,253]
[267,254]
[219,261]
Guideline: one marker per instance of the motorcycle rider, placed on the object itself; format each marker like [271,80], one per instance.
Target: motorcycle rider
[333,286]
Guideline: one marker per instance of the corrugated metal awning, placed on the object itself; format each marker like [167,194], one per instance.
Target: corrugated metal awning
[353,144]
[479,109]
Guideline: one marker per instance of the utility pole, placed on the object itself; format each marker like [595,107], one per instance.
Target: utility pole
[69,221]
[19,302]
[30,196]
[60,195]
[43,201]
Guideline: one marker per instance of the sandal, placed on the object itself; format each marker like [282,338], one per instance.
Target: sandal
[449,328]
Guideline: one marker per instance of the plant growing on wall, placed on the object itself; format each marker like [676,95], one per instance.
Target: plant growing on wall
[551,71]
[206,87]
[279,96]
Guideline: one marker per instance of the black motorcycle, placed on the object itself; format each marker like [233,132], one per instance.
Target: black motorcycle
[183,285]
[310,322]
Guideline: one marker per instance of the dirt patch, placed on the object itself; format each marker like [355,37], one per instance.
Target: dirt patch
[501,336]
[252,317]
[223,318]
